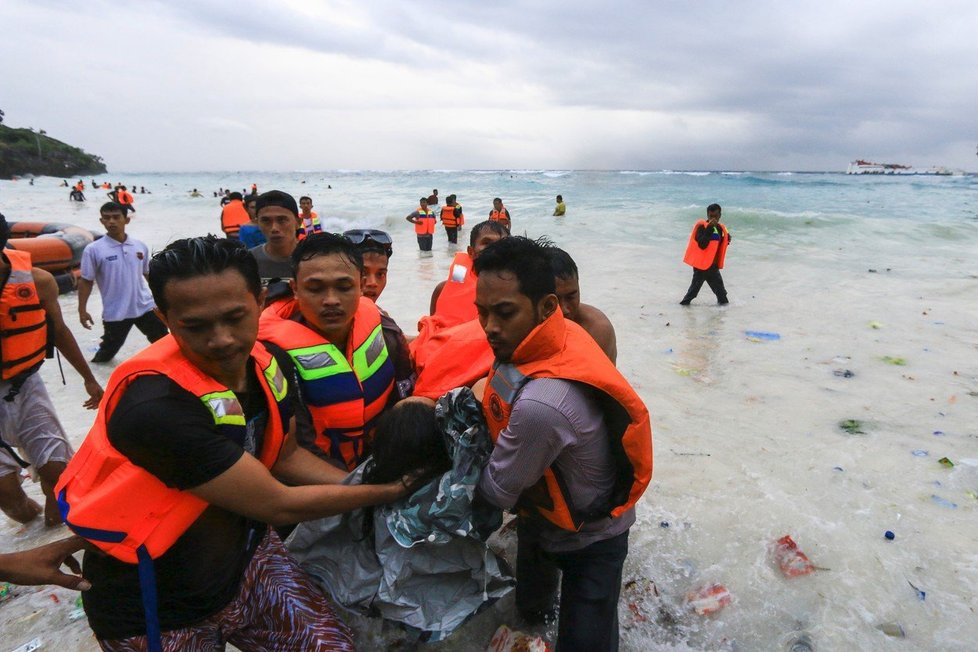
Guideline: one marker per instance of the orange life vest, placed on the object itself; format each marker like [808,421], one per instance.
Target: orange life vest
[715,251]
[345,391]
[309,225]
[23,322]
[424,222]
[558,348]
[455,305]
[122,508]
[123,197]
[451,357]
[498,216]
[448,218]
[126,511]
[233,215]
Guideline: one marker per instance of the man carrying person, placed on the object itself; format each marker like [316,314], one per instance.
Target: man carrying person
[423,220]
[573,447]
[278,219]
[333,334]
[30,318]
[568,291]
[705,253]
[452,218]
[233,215]
[118,263]
[196,434]
[309,222]
[500,213]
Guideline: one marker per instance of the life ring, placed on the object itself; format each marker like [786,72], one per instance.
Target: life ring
[54,246]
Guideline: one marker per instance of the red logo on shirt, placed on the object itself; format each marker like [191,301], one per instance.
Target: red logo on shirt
[496,407]
[139,255]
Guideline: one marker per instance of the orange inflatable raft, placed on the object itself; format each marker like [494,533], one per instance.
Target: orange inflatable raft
[54,246]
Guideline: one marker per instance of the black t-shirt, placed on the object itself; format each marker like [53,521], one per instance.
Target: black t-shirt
[169,432]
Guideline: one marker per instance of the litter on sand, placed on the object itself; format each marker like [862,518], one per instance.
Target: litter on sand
[852,426]
[761,336]
[510,640]
[889,359]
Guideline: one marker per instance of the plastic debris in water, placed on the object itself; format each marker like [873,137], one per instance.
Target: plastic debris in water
[943,502]
[709,599]
[852,426]
[801,643]
[889,359]
[5,591]
[919,452]
[889,535]
[922,595]
[894,630]
[30,646]
[939,433]
[843,373]
[759,336]
[875,325]
[946,462]
[792,561]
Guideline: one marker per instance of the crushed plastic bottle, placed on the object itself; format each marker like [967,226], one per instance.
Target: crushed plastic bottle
[792,561]
[800,643]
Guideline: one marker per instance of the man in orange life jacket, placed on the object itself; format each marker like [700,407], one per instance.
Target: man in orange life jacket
[30,318]
[234,215]
[423,220]
[705,253]
[452,318]
[333,334]
[573,447]
[309,221]
[452,218]
[500,213]
[196,433]
[121,196]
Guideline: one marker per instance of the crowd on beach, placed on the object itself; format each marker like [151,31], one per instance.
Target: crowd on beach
[277,395]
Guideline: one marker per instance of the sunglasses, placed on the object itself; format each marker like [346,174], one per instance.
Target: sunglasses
[365,237]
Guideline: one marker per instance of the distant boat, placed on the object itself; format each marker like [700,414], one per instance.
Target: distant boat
[867,167]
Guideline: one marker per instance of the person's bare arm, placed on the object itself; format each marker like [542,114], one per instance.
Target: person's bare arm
[297,466]
[434,297]
[84,291]
[248,489]
[47,294]
[599,327]
[42,565]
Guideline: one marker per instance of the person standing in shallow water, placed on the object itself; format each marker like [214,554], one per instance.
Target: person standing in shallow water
[705,253]
[423,220]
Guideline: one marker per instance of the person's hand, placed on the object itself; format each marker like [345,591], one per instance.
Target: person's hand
[95,392]
[85,319]
[42,565]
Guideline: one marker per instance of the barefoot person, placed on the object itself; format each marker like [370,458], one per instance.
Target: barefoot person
[573,448]
[196,436]
[28,311]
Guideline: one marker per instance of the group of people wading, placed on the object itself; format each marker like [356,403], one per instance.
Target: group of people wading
[215,440]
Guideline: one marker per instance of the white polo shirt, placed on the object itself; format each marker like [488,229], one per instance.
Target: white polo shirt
[118,268]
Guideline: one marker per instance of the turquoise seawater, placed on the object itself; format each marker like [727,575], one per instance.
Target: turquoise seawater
[851,272]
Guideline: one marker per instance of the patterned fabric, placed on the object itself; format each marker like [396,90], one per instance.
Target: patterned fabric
[443,509]
[277,609]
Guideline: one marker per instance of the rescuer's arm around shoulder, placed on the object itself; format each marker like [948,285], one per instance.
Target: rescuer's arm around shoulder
[47,294]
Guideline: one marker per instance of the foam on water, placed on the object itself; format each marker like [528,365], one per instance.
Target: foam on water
[747,431]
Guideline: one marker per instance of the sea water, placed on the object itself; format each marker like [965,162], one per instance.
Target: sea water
[851,273]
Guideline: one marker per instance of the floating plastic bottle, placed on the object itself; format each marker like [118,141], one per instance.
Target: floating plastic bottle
[792,561]
[708,599]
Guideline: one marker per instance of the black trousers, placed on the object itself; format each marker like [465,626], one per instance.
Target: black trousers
[116,332]
[452,233]
[590,583]
[424,242]
[712,278]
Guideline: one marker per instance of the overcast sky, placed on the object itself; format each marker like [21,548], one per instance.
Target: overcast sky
[441,84]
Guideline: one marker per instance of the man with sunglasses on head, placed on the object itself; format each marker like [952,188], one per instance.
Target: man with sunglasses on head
[376,247]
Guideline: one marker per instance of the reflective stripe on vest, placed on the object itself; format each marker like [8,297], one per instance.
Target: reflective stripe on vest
[424,222]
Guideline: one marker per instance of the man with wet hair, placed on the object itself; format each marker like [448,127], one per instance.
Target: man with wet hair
[573,447]
[197,432]
[278,219]
[333,334]
[568,290]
